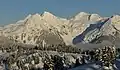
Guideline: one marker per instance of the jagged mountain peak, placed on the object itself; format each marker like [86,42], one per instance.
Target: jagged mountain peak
[44,15]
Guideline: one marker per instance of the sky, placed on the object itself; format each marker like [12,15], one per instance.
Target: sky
[14,10]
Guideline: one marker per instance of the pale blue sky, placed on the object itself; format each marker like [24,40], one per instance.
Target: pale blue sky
[14,10]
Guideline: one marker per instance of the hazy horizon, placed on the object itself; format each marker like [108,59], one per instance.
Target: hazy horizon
[14,10]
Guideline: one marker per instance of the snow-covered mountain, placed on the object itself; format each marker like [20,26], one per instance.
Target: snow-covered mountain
[50,29]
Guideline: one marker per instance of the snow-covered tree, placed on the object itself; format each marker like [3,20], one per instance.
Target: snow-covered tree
[108,56]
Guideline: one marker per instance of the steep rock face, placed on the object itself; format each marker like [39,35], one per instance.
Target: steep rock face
[110,35]
[111,32]
[81,21]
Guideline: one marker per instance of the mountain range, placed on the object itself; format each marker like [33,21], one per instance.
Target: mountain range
[47,28]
